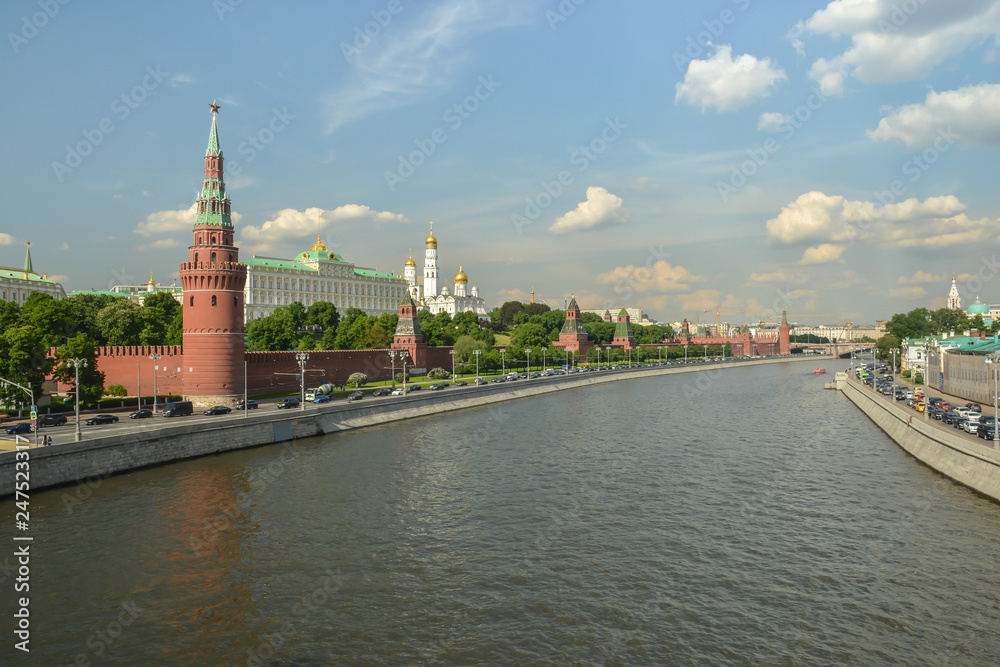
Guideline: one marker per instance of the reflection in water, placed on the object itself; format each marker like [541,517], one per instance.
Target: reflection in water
[766,522]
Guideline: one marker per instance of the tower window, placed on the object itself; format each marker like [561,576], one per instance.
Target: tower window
[236,302]
[196,258]
[192,301]
[213,300]
[213,257]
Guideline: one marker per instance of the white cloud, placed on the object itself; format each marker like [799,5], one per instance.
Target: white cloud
[824,253]
[894,41]
[290,223]
[63,246]
[7,239]
[848,279]
[662,277]
[58,278]
[924,278]
[778,277]
[161,243]
[908,293]
[728,84]
[179,80]
[771,122]
[817,217]
[168,221]
[602,209]
[970,115]
[408,61]
[643,184]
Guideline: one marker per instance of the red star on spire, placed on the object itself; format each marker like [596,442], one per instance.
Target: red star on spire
[215,107]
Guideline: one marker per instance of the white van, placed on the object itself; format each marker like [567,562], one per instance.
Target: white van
[973,424]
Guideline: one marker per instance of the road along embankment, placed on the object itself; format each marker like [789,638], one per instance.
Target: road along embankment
[969,463]
[98,458]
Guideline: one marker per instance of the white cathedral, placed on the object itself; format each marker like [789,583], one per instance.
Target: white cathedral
[427,295]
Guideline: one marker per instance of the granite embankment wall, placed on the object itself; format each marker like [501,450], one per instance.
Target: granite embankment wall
[974,465]
[101,457]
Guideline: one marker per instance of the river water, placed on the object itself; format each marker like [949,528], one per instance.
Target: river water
[748,518]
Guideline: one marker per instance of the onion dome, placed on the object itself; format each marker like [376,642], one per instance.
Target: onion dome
[319,245]
[410,261]
[460,277]
[978,308]
[431,240]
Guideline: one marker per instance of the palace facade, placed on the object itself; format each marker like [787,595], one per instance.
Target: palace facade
[18,284]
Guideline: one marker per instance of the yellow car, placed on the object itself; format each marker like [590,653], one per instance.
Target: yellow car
[920,406]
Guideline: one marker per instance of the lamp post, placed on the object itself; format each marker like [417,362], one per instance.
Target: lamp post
[302,358]
[685,354]
[477,353]
[567,359]
[453,378]
[138,384]
[246,408]
[503,362]
[873,370]
[927,372]
[154,357]
[31,393]
[706,352]
[76,390]
[894,351]
[402,357]
[527,373]
[992,358]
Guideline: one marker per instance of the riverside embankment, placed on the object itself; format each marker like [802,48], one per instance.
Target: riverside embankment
[101,457]
[947,451]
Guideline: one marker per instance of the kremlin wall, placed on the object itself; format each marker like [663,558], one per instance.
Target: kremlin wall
[213,367]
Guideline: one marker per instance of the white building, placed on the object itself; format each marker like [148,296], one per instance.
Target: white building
[318,274]
[954,298]
[18,284]
[460,299]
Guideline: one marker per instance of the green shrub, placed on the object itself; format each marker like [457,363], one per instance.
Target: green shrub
[357,379]
[438,374]
[906,373]
[116,390]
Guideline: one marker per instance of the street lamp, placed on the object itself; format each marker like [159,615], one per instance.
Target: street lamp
[503,362]
[873,370]
[685,354]
[927,372]
[894,351]
[992,358]
[138,383]
[527,373]
[154,357]
[302,358]
[706,352]
[452,353]
[477,353]
[402,357]
[76,389]
[544,350]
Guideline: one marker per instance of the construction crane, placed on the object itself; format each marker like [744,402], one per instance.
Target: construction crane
[718,318]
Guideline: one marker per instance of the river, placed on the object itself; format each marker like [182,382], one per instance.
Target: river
[744,517]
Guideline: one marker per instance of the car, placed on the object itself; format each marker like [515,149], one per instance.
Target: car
[23,427]
[975,407]
[288,403]
[415,387]
[141,414]
[382,391]
[251,405]
[972,423]
[438,387]
[52,420]
[217,410]
[481,381]
[322,398]
[535,375]
[461,383]
[937,413]
[356,396]
[950,417]
[944,405]
[178,409]
[102,419]
[960,423]
[498,380]
[985,431]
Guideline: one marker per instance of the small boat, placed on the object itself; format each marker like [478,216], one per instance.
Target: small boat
[819,371]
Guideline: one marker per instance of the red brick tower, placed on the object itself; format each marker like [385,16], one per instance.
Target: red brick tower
[783,331]
[573,336]
[623,331]
[408,336]
[213,281]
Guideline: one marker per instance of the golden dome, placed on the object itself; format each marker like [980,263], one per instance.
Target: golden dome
[319,245]
[431,240]
[460,277]
[410,261]
[151,284]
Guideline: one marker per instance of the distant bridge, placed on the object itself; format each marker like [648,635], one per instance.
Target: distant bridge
[841,350]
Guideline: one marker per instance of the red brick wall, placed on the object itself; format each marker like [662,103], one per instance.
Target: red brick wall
[131,366]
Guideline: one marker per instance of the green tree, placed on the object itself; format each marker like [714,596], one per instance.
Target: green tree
[298,314]
[465,346]
[272,333]
[438,374]
[53,319]
[85,309]
[156,317]
[884,344]
[378,338]
[175,332]
[23,359]
[324,315]
[119,323]
[947,320]
[914,324]
[508,310]
[10,312]
[357,379]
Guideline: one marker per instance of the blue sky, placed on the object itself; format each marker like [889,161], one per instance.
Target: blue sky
[834,158]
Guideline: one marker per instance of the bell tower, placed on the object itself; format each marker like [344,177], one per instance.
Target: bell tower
[213,281]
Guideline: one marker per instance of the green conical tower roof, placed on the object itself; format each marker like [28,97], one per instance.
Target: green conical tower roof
[623,329]
[214,205]
[573,325]
[213,135]
[27,261]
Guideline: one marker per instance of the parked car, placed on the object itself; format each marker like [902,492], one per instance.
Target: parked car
[972,422]
[52,420]
[944,405]
[382,391]
[288,403]
[102,419]
[23,427]
[938,413]
[950,417]
[356,396]
[985,431]
[141,414]
[481,381]
[251,405]
[218,410]
[438,387]
[960,423]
